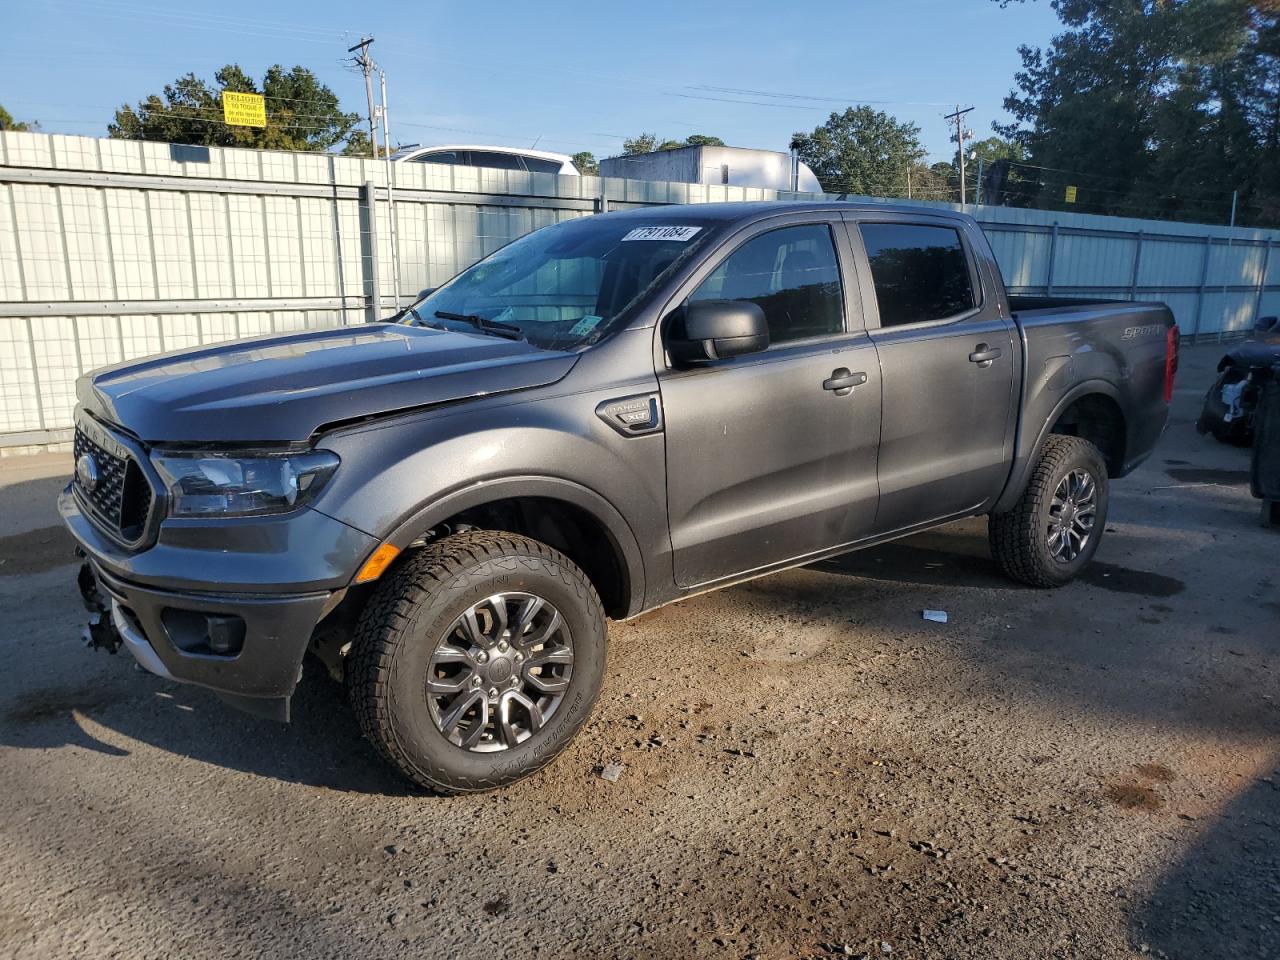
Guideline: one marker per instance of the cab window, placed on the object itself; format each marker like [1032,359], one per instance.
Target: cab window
[792,274]
[921,272]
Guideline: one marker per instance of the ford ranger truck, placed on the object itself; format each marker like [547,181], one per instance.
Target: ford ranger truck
[604,416]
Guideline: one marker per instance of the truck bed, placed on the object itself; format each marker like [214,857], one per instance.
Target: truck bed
[1029,304]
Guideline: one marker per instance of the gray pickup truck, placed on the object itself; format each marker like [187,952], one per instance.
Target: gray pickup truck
[605,416]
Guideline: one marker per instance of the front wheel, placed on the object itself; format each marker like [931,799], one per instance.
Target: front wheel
[477,661]
[1052,532]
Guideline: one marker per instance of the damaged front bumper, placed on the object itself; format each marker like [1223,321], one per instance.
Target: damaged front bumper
[197,625]
[247,650]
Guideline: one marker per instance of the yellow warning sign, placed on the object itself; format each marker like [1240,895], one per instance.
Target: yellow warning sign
[244,109]
[1071,191]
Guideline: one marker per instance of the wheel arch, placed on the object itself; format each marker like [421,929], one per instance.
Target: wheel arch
[573,519]
[1095,416]
[1103,420]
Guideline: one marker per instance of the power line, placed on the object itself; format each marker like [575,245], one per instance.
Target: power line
[827,99]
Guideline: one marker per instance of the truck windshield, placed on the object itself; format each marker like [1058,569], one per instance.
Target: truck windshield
[563,286]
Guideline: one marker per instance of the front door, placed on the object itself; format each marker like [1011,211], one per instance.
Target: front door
[772,456]
[948,364]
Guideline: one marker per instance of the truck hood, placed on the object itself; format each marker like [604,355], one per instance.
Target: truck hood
[285,388]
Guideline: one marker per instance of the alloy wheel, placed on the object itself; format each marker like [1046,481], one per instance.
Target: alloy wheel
[1072,514]
[500,673]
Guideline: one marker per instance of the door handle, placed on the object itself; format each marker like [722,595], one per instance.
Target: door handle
[983,355]
[841,382]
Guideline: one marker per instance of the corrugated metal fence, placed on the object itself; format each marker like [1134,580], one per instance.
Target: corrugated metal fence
[111,250]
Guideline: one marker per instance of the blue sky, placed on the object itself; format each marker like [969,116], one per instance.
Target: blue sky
[579,76]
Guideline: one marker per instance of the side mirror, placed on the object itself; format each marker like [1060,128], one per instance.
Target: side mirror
[716,330]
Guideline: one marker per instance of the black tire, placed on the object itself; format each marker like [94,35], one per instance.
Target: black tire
[415,609]
[1019,538]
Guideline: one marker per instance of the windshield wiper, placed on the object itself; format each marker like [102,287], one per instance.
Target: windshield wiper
[508,330]
[419,320]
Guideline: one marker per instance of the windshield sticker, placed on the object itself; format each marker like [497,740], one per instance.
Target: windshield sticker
[678,234]
[584,326]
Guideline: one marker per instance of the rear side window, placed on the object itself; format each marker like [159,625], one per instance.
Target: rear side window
[500,161]
[440,156]
[538,165]
[792,274]
[921,272]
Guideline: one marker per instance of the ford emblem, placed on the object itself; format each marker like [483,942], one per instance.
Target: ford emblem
[87,471]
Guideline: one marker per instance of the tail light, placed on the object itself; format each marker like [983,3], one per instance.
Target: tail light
[1171,344]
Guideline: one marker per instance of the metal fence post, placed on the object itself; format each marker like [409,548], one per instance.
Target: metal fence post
[1262,282]
[1053,249]
[369,252]
[337,239]
[1137,265]
[1204,279]
[1223,322]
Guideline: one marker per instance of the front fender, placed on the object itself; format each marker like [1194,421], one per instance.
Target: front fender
[400,478]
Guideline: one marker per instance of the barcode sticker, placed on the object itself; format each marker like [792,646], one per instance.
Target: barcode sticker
[679,234]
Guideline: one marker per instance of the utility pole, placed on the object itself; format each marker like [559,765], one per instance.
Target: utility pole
[958,117]
[1234,196]
[366,65]
[391,194]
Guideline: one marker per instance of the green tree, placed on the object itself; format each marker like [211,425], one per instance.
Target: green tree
[929,182]
[992,149]
[586,163]
[1152,107]
[649,143]
[357,144]
[644,143]
[1016,176]
[862,150]
[302,113]
[8,123]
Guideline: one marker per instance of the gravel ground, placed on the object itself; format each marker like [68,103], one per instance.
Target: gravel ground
[807,768]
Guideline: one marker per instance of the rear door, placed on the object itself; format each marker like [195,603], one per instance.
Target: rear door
[768,460]
[947,358]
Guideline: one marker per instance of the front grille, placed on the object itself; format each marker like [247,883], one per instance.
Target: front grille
[120,500]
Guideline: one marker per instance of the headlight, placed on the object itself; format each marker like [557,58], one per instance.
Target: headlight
[205,484]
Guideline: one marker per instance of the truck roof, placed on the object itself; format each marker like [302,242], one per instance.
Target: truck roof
[745,212]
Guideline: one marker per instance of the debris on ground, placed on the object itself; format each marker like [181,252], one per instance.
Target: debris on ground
[611,772]
[936,616]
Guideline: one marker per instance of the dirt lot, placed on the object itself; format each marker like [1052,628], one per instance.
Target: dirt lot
[810,768]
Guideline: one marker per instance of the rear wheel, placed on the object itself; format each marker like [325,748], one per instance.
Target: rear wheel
[477,661]
[1052,532]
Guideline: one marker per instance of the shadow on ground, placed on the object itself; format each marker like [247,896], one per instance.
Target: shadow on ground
[321,747]
[956,560]
[1233,870]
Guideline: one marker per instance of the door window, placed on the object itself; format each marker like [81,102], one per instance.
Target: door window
[791,274]
[921,272]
